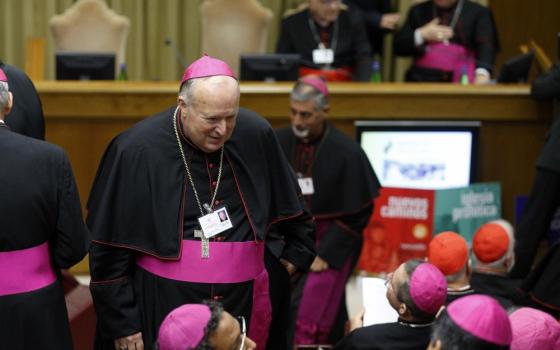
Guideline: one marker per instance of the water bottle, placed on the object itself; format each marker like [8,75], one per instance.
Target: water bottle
[375,72]
[123,76]
[464,76]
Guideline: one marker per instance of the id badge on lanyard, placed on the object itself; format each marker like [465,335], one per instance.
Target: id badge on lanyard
[323,55]
[215,222]
[306,185]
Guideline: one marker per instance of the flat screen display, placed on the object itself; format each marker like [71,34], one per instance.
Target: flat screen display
[269,67]
[421,155]
[85,66]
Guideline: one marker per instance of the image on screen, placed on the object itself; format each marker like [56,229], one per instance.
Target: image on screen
[420,155]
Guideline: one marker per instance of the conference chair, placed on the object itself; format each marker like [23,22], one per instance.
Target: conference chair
[90,26]
[232,27]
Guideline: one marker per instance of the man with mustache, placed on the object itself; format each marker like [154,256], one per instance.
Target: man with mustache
[339,186]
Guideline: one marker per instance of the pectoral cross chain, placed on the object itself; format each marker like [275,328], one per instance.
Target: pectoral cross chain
[205,244]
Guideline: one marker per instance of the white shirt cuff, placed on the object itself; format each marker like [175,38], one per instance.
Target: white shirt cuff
[418,40]
[482,71]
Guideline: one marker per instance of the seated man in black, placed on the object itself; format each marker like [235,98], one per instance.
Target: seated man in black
[450,40]
[493,256]
[416,290]
[203,326]
[332,42]
[474,322]
[449,252]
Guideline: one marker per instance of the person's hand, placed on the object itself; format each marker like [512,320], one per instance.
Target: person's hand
[131,342]
[481,79]
[291,268]
[357,321]
[433,31]
[390,21]
[319,265]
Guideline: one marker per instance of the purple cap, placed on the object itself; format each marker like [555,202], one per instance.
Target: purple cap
[183,328]
[317,82]
[207,66]
[3,76]
[428,288]
[534,329]
[483,317]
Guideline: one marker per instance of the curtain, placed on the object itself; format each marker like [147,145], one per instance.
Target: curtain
[151,23]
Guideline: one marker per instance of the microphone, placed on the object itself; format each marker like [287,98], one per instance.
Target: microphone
[178,56]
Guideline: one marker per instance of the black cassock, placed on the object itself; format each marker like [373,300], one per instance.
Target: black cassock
[26,116]
[504,289]
[544,198]
[388,336]
[39,204]
[143,203]
[345,186]
[475,29]
[347,37]
[542,285]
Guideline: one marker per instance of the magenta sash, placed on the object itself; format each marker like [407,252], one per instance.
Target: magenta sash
[449,57]
[25,270]
[320,299]
[229,262]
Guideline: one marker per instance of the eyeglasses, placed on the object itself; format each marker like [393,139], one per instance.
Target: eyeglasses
[388,280]
[243,329]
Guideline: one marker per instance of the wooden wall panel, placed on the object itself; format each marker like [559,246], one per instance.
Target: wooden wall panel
[519,21]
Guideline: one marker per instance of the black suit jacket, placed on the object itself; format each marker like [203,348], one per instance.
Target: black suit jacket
[372,11]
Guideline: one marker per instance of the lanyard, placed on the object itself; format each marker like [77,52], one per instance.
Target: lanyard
[205,205]
[334,37]
[456,14]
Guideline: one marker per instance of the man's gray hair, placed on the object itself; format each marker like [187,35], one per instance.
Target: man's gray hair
[187,91]
[458,275]
[4,94]
[303,92]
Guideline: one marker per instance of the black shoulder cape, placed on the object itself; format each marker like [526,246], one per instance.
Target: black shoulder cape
[343,178]
[137,193]
[26,116]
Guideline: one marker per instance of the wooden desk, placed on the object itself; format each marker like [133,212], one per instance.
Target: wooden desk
[84,117]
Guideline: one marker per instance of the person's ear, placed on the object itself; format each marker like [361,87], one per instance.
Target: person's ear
[181,102]
[402,309]
[434,345]
[10,103]
[440,311]
[468,270]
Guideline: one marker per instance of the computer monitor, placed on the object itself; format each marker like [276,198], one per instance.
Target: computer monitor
[420,154]
[270,67]
[516,69]
[85,66]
